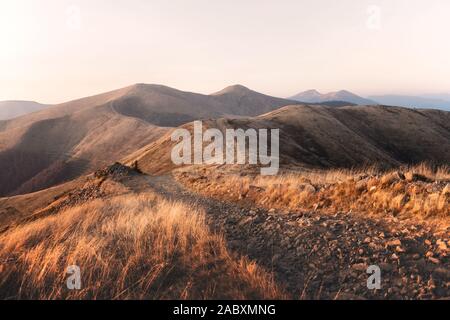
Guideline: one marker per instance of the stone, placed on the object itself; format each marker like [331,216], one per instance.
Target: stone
[392,177]
[359,267]
[413,177]
[441,245]
[399,249]
[434,260]
[394,243]
[308,188]
[361,185]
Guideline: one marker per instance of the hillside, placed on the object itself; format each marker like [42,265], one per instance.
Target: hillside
[253,237]
[13,109]
[328,137]
[64,141]
[314,96]
[155,248]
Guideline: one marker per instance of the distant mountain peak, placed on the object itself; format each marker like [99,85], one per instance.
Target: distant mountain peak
[236,88]
[312,91]
[314,96]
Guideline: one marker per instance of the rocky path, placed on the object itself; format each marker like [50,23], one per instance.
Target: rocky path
[319,256]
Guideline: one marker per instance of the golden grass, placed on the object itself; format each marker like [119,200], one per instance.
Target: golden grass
[128,247]
[365,191]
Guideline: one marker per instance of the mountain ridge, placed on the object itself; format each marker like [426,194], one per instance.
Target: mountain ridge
[63,141]
[314,96]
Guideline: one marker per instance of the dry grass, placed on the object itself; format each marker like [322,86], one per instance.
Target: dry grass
[365,191]
[128,247]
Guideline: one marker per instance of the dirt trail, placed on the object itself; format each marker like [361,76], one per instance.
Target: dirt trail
[317,256]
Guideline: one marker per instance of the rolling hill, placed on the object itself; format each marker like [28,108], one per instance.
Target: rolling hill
[328,137]
[64,141]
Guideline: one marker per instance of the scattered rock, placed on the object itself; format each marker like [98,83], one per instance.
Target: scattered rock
[413,177]
[392,177]
[308,188]
[359,267]
[441,245]
[434,260]
[394,243]
[399,249]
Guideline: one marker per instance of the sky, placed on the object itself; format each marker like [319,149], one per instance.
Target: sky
[53,51]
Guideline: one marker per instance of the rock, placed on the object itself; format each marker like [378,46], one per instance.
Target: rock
[394,243]
[413,177]
[394,257]
[441,245]
[361,185]
[359,267]
[434,260]
[256,189]
[392,177]
[308,188]
[399,249]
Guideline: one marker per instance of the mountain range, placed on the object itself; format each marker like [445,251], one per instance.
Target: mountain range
[327,137]
[314,96]
[425,102]
[62,142]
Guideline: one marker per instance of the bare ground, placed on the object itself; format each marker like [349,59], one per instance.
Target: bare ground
[323,256]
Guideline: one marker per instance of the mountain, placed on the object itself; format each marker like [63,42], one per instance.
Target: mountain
[413,101]
[13,109]
[314,96]
[327,137]
[239,100]
[63,141]
[439,96]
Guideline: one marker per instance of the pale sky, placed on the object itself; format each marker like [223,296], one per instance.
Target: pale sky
[56,50]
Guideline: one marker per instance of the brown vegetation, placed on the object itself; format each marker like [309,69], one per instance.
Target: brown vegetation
[128,247]
[417,192]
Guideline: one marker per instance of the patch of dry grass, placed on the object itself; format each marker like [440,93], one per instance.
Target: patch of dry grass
[422,192]
[127,247]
